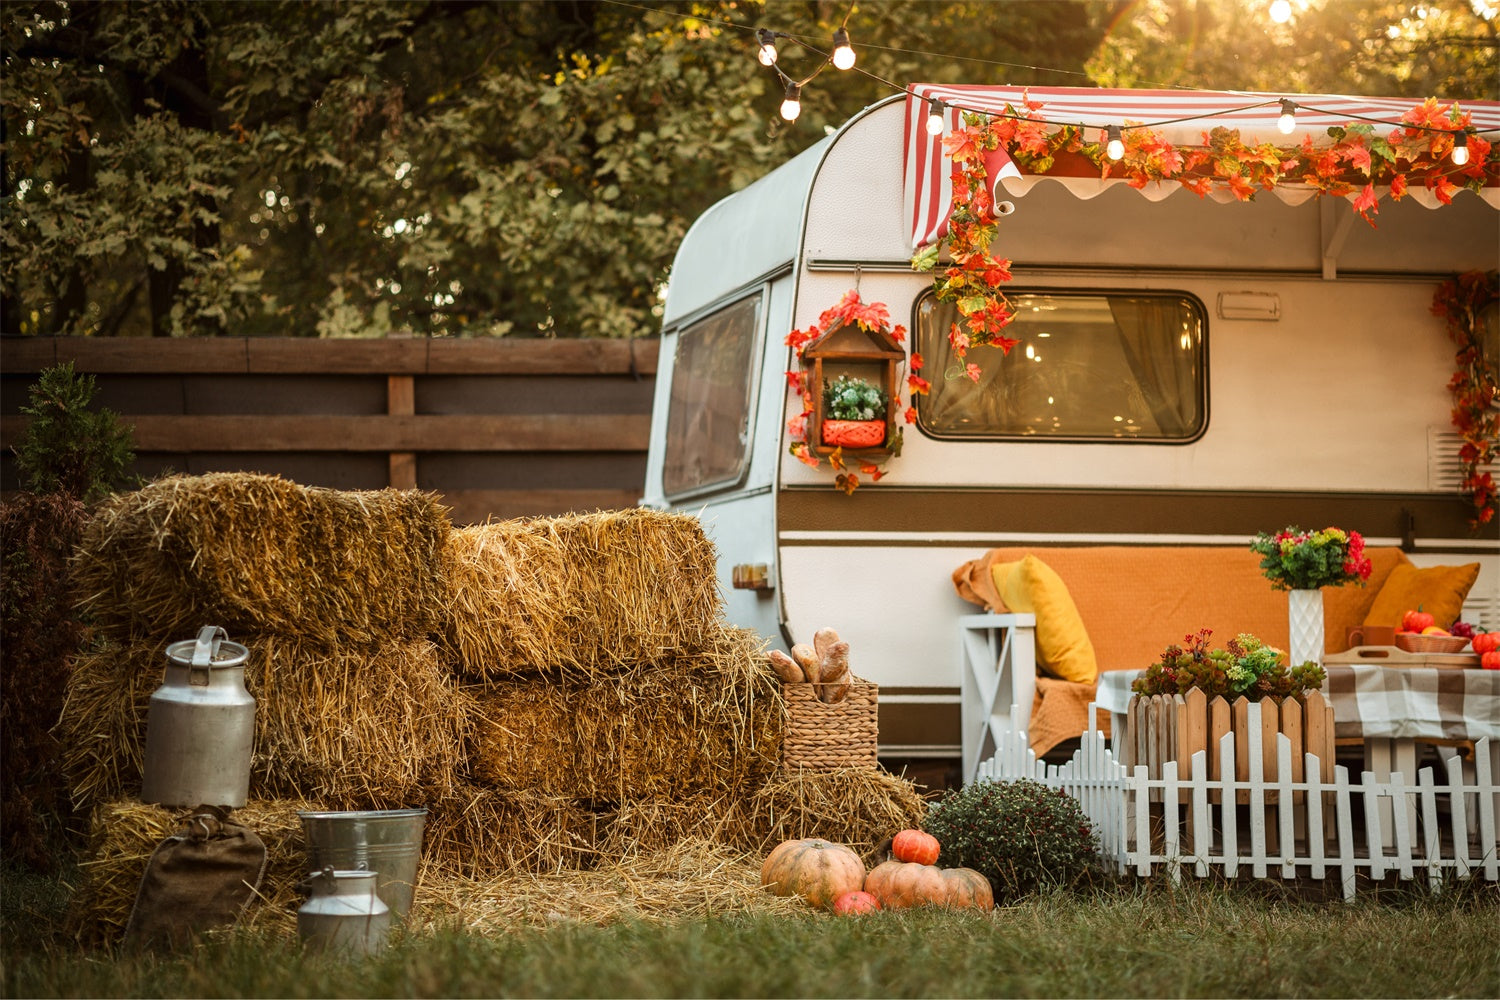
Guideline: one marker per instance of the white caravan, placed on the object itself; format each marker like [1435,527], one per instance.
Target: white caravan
[1311,387]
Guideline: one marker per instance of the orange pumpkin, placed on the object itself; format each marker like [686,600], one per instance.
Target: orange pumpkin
[967,889]
[815,869]
[854,902]
[917,846]
[901,884]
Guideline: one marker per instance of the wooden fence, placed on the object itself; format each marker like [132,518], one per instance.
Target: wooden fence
[501,427]
[1407,827]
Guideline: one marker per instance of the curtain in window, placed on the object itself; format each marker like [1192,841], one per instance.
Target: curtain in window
[1159,338]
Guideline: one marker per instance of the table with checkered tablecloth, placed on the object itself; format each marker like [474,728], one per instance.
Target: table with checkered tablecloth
[1413,703]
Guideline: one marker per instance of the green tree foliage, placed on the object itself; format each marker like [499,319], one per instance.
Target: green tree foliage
[453,168]
[462,168]
[1433,48]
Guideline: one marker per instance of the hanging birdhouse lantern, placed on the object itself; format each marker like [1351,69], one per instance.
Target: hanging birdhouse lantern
[852,372]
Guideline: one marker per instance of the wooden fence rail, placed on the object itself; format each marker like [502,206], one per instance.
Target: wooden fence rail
[1190,824]
[500,428]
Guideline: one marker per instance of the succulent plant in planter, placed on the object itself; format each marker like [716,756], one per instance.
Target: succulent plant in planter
[853,413]
[849,398]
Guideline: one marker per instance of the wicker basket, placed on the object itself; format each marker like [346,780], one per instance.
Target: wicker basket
[823,737]
[1415,642]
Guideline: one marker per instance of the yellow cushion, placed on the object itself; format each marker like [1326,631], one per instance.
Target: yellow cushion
[1437,590]
[999,573]
[1063,648]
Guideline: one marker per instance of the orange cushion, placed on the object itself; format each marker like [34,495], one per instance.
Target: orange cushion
[1063,648]
[1437,590]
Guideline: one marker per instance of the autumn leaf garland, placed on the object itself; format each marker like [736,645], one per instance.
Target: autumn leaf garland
[1461,301]
[1353,163]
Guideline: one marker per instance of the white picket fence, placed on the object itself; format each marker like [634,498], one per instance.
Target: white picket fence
[1321,829]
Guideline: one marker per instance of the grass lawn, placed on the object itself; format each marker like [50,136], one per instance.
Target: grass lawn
[1138,939]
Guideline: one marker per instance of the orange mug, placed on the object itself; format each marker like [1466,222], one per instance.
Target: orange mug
[1370,635]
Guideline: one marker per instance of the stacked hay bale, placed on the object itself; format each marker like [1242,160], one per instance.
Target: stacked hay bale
[335,594]
[559,693]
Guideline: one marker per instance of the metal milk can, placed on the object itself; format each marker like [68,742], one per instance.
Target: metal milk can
[200,726]
[343,913]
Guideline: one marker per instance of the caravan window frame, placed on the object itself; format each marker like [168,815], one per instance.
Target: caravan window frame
[922,338]
[758,298]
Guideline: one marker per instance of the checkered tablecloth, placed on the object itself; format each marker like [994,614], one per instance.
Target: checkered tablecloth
[1372,701]
[1413,702]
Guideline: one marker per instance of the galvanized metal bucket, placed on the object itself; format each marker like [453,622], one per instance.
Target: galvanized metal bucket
[385,841]
[201,725]
[343,913]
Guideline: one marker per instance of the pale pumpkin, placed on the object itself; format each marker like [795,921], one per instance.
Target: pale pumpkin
[817,870]
[968,889]
[916,845]
[902,884]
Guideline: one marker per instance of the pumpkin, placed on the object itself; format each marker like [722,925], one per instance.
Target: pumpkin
[815,869]
[1490,660]
[902,884]
[854,902]
[968,889]
[1485,642]
[916,845]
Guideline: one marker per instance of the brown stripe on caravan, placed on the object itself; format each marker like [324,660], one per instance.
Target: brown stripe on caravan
[1413,516]
[923,723]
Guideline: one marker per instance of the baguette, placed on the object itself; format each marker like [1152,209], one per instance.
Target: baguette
[786,668]
[823,640]
[833,672]
[807,658]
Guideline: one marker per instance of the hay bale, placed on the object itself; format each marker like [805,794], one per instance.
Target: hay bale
[580,595]
[257,553]
[478,833]
[359,727]
[707,720]
[356,726]
[123,835]
[690,879]
[856,807]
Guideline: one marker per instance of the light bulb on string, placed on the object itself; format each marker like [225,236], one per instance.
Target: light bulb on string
[1288,120]
[935,123]
[1281,11]
[766,39]
[791,107]
[1116,147]
[843,52]
[1460,148]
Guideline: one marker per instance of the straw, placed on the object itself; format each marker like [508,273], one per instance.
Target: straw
[580,595]
[256,553]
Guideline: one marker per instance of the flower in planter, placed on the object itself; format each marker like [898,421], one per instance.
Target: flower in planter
[847,398]
[1245,666]
[1294,559]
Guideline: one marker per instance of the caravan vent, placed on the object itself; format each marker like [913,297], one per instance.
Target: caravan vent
[1444,471]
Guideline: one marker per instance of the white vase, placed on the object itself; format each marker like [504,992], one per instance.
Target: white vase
[1305,618]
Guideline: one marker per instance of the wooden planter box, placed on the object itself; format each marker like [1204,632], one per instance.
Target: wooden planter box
[1159,728]
[823,737]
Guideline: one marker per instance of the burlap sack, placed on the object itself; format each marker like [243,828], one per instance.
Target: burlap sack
[200,878]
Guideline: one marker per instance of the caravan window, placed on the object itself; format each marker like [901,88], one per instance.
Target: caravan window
[1089,366]
[708,421]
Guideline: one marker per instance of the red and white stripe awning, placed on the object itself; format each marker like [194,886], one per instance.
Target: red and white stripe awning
[1179,116]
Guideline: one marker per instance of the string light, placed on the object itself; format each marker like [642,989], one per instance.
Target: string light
[791,106]
[1116,147]
[843,52]
[1288,120]
[1460,148]
[766,39]
[1281,11]
[935,123]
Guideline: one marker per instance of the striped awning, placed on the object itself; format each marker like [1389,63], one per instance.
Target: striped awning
[1181,117]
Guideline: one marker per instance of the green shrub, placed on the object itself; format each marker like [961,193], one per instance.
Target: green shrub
[1021,835]
[69,447]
